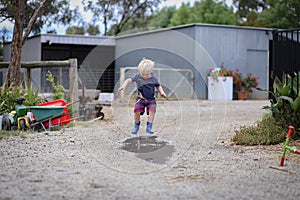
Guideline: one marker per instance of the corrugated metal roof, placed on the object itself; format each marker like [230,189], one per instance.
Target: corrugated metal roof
[75,39]
[192,25]
[110,40]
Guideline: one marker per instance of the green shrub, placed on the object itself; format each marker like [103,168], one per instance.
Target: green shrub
[285,103]
[8,96]
[264,132]
[32,98]
[58,90]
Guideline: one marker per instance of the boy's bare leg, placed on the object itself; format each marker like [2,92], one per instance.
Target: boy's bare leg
[151,116]
[137,117]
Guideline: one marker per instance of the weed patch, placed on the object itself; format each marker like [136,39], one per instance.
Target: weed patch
[264,132]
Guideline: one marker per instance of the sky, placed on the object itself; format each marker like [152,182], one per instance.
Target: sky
[88,16]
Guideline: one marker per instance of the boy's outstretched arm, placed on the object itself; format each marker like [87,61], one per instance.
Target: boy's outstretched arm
[161,91]
[124,85]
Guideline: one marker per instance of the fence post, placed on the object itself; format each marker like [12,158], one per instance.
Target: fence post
[73,82]
[28,77]
[60,74]
[122,80]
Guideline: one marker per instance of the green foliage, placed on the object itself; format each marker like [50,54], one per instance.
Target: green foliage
[285,105]
[268,13]
[81,30]
[32,98]
[162,18]
[7,98]
[182,15]
[93,30]
[119,13]
[133,25]
[58,90]
[281,14]
[205,11]
[75,30]
[246,6]
[56,12]
[264,132]
[134,17]
[213,12]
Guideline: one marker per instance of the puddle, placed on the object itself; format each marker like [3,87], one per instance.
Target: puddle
[149,148]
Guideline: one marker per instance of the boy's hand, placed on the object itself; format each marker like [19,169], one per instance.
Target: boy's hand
[164,95]
[121,89]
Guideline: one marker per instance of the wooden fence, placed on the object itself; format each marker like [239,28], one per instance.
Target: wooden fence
[71,64]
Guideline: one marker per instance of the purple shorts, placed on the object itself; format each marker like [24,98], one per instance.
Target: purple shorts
[141,104]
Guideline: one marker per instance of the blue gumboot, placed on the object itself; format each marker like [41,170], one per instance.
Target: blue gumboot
[149,128]
[136,128]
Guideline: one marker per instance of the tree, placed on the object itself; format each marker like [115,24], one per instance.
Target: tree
[101,9]
[268,13]
[13,74]
[248,10]
[182,15]
[205,11]
[119,12]
[75,30]
[281,14]
[161,19]
[213,12]
[93,30]
[133,25]
[82,30]
[251,20]
[29,16]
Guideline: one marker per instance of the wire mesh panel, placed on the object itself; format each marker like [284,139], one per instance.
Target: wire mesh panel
[90,76]
[177,83]
[60,76]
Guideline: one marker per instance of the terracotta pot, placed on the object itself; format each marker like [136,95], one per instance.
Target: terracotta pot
[242,95]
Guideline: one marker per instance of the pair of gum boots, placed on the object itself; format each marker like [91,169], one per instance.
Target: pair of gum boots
[137,127]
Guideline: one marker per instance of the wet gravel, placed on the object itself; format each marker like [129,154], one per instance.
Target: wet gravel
[87,161]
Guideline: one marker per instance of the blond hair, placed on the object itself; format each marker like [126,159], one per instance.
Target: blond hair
[146,66]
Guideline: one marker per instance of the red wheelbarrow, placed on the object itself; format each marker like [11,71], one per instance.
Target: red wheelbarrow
[52,114]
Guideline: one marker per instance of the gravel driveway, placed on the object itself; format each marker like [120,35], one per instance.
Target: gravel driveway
[197,161]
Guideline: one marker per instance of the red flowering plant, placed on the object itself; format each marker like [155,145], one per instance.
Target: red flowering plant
[244,84]
[240,82]
[237,78]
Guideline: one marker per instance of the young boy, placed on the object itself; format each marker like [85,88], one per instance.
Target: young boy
[146,83]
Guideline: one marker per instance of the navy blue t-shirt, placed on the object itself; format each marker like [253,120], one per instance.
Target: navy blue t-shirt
[146,87]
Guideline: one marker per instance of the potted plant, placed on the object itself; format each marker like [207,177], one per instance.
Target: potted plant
[214,73]
[244,85]
[220,84]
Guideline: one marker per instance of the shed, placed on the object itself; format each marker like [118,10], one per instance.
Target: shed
[190,49]
[95,57]
[199,47]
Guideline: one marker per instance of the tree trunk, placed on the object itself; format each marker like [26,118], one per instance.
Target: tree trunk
[13,74]
[13,78]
